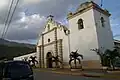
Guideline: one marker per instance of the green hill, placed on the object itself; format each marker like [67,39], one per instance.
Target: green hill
[10,43]
[8,49]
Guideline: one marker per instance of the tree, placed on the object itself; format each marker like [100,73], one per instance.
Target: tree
[75,56]
[56,60]
[101,55]
[111,56]
[104,59]
[108,57]
[33,60]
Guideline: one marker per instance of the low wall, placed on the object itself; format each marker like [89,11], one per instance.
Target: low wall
[91,64]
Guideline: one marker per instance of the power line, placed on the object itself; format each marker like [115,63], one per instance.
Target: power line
[11,18]
[12,1]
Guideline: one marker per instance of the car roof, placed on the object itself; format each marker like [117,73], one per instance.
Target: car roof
[7,62]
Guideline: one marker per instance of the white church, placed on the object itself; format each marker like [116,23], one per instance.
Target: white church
[89,28]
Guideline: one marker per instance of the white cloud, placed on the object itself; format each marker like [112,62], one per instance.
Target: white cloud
[27,2]
[29,17]
[28,27]
[30,1]
[4,3]
[32,19]
[26,41]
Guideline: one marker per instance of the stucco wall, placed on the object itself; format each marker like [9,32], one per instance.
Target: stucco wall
[38,53]
[50,35]
[105,36]
[49,48]
[39,41]
[65,44]
[22,57]
[85,39]
[51,25]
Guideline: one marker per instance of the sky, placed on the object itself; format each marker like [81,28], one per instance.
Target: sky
[30,16]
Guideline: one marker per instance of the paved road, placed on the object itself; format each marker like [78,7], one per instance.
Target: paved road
[51,76]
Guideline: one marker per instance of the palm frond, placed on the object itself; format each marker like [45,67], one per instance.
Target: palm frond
[79,60]
[53,57]
[98,51]
[80,55]
[70,61]
[76,51]
[36,61]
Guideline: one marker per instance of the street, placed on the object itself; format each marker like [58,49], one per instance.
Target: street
[52,76]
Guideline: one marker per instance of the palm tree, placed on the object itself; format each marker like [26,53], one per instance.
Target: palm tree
[75,56]
[101,55]
[33,60]
[112,55]
[56,60]
[98,51]
[25,58]
[108,57]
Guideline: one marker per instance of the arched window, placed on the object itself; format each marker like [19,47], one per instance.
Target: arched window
[102,22]
[48,27]
[48,40]
[80,24]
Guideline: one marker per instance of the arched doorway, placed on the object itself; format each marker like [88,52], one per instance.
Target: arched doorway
[49,60]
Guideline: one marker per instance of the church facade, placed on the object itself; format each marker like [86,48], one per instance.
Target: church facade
[89,28]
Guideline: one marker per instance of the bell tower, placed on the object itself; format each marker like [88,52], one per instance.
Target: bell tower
[50,18]
[90,28]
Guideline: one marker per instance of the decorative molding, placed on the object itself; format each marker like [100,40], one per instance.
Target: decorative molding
[78,13]
[41,47]
[49,31]
[61,51]
[50,43]
[43,52]
[56,46]
[40,57]
[87,9]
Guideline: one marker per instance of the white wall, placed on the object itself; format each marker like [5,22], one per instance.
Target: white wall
[52,25]
[39,41]
[65,44]
[84,39]
[50,35]
[22,57]
[105,36]
[38,53]
[91,37]
[49,48]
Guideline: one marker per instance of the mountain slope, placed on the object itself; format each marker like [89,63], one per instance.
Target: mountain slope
[9,49]
[10,43]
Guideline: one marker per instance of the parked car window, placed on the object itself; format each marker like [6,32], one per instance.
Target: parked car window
[1,70]
[18,69]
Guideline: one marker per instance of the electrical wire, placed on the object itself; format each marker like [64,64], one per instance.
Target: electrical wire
[11,18]
[12,1]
